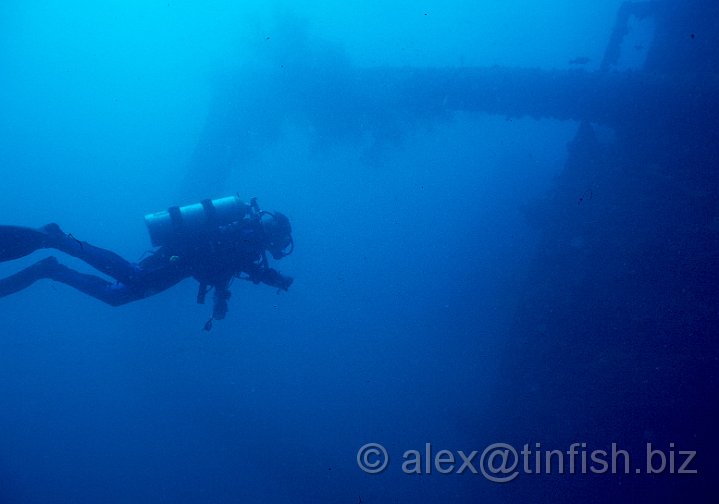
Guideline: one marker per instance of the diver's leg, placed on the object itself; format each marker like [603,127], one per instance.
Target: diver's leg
[145,283]
[103,260]
[17,241]
[114,294]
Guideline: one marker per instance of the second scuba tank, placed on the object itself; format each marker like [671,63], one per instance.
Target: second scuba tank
[190,221]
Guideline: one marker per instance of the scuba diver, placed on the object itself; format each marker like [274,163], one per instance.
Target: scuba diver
[214,241]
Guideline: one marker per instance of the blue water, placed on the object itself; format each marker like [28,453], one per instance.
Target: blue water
[412,244]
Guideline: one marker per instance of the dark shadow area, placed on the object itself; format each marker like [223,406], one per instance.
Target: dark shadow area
[615,337]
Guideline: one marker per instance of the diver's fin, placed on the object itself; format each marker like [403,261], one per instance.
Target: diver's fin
[17,241]
[26,277]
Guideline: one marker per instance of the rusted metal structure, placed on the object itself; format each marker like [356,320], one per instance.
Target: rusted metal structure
[677,84]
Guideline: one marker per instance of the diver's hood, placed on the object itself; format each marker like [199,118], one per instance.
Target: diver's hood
[278,234]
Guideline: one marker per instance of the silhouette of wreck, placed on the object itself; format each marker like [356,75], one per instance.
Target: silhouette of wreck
[615,337]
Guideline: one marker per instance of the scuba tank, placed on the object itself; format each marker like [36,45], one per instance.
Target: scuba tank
[192,221]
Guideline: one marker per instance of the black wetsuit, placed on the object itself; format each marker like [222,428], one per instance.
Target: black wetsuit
[213,258]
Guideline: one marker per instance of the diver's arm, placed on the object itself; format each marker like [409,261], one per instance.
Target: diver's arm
[274,278]
[269,276]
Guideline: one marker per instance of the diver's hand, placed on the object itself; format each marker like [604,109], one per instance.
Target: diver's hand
[276,279]
[286,282]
